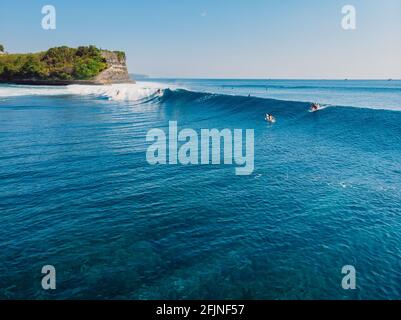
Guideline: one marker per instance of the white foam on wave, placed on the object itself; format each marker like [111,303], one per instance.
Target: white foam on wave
[17,90]
[118,92]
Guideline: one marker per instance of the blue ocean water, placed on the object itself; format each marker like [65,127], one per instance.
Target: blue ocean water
[77,192]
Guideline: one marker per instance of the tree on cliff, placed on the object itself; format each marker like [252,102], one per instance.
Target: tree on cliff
[60,63]
[1,48]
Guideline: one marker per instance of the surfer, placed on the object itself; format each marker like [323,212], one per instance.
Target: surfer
[270,118]
[315,107]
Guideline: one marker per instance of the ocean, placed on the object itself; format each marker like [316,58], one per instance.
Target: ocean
[77,192]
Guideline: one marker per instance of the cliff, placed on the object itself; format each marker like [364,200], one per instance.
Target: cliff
[64,66]
[116,71]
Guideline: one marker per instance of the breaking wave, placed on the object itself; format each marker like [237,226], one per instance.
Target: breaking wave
[143,91]
[118,92]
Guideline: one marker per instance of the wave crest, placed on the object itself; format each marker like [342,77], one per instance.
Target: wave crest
[117,92]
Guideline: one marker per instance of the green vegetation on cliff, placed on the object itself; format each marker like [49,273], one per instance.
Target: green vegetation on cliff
[120,55]
[1,48]
[60,63]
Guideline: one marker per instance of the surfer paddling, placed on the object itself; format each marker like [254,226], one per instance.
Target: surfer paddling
[270,118]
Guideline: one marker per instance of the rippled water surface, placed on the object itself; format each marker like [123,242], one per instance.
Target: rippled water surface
[76,192]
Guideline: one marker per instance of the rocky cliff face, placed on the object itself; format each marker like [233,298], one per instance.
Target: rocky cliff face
[117,71]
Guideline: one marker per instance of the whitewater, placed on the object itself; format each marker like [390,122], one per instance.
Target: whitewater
[118,92]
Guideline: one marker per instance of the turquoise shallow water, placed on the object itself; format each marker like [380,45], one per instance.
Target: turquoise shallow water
[76,192]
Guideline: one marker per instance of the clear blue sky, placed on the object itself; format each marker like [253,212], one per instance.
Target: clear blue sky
[220,38]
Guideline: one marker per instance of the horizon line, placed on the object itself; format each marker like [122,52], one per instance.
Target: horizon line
[259,78]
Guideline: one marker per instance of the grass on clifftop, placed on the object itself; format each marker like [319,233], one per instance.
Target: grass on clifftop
[60,63]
